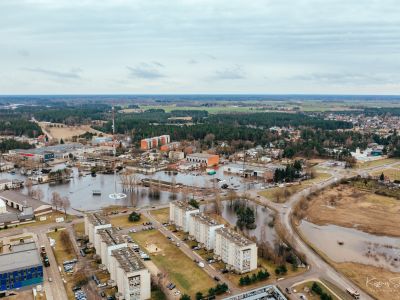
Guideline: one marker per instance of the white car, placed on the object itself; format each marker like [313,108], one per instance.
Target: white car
[133,230]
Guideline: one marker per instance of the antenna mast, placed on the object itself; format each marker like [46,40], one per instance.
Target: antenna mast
[115,195]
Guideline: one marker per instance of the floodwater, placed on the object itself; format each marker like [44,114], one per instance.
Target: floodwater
[357,246]
[263,217]
[80,188]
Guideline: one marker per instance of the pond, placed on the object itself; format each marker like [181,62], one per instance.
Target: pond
[264,216]
[350,245]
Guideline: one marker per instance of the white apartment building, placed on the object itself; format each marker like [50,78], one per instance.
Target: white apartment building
[94,222]
[202,228]
[235,250]
[130,274]
[109,239]
[179,212]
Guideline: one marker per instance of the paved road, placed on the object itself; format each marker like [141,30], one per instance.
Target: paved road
[209,269]
[318,267]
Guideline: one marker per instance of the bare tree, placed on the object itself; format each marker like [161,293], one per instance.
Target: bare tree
[55,199]
[37,194]
[29,185]
[65,204]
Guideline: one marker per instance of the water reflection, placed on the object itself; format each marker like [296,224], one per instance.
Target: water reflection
[347,244]
[264,218]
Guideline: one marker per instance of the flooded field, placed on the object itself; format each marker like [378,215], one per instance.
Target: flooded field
[80,188]
[264,217]
[350,245]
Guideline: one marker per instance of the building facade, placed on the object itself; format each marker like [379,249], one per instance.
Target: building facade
[154,142]
[202,229]
[204,159]
[239,253]
[179,212]
[132,277]
[21,267]
[94,222]
[109,239]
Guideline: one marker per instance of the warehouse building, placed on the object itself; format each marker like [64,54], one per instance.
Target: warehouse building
[202,229]
[49,153]
[20,267]
[205,159]
[109,239]
[238,252]
[94,222]
[25,204]
[130,274]
[179,212]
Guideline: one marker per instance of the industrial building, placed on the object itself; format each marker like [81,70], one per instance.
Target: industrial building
[238,252]
[205,159]
[154,142]
[269,292]
[49,153]
[130,274]
[179,212]
[20,267]
[202,228]
[94,222]
[25,204]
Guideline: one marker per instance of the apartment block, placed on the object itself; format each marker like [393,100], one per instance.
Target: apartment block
[238,252]
[203,228]
[94,222]
[179,212]
[130,274]
[109,239]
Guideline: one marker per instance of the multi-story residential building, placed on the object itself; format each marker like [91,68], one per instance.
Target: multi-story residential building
[236,251]
[179,212]
[94,222]
[109,239]
[131,276]
[202,228]
[154,142]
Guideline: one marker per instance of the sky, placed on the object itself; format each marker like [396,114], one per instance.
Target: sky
[191,46]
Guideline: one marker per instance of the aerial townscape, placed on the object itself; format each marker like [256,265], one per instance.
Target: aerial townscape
[199,150]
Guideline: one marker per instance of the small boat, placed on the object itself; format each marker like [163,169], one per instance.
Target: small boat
[96,192]
[211,172]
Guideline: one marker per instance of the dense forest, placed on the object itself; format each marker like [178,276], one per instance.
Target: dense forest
[10,144]
[17,124]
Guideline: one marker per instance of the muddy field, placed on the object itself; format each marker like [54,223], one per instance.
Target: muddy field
[353,208]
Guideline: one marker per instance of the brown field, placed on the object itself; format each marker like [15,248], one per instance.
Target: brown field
[282,194]
[66,132]
[345,206]
[391,173]
[378,282]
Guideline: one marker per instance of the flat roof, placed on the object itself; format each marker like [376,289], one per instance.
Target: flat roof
[97,219]
[268,292]
[128,259]
[205,219]
[111,236]
[202,155]
[234,236]
[184,205]
[23,256]
[56,148]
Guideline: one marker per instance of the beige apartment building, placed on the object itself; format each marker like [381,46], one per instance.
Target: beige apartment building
[238,252]
[94,222]
[179,212]
[130,274]
[202,229]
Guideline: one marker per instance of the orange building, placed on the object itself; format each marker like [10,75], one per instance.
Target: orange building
[154,142]
[203,158]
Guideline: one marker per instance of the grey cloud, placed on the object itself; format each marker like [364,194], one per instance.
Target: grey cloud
[72,74]
[235,72]
[146,71]
[346,78]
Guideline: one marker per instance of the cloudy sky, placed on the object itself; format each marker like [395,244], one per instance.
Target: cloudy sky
[193,46]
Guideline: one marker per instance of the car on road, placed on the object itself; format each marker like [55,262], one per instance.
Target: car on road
[216,278]
[133,230]
[50,279]
[303,297]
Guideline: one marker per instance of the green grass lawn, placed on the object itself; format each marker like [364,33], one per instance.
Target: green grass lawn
[377,163]
[180,269]
[305,288]
[123,221]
